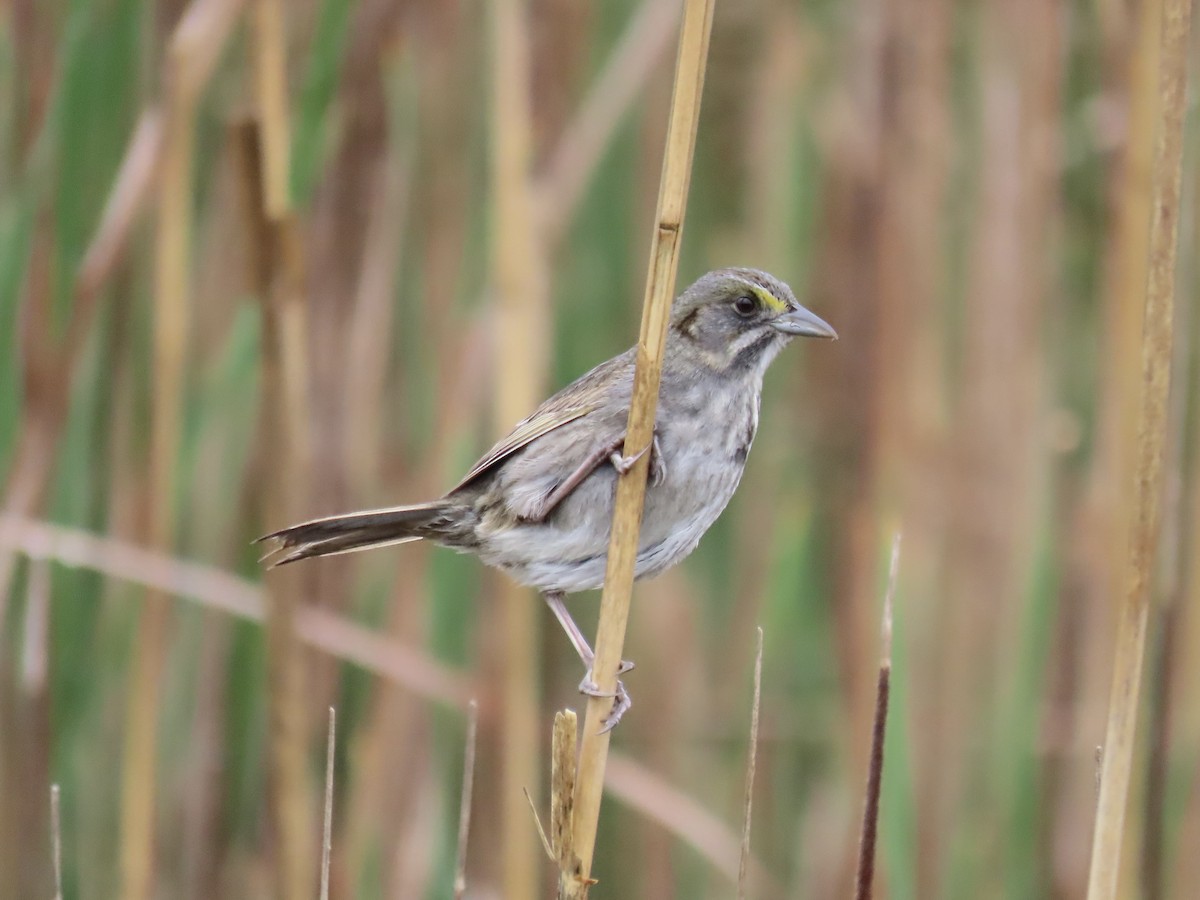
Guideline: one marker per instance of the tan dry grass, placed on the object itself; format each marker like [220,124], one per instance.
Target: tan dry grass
[1157,336]
[280,284]
[523,324]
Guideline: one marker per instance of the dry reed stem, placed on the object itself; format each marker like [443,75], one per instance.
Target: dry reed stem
[560,846]
[464,803]
[35,630]
[285,493]
[537,823]
[280,287]
[1182,659]
[56,840]
[327,824]
[1111,492]
[191,56]
[385,657]
[221,591]
[631,489]
[521,341]
[563,779]
[751,761]
[270,71]
[1156,363]
[285,289]
[865,874]
[581,146]
[563,775]
[171,287]
[1124,305]
[1154,806]
[1175,568]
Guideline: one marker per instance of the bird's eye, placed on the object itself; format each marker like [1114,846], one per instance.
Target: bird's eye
[745,306]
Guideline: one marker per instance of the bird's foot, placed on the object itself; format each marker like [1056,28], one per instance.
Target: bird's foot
[589,687]
[620,697]
[624,463]
[658,468]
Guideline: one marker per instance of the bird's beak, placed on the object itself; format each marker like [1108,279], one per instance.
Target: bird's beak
[801,322]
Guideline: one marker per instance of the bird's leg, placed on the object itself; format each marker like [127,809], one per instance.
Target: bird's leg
[554,599]
[658,467]
[572,481]
[588,686]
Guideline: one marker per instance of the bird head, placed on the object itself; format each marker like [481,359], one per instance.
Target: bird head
[737,320]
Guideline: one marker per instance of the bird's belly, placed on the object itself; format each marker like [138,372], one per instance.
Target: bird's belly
[699,484]
[569,551]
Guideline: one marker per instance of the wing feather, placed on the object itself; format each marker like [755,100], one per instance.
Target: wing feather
[586,395]
[525,433]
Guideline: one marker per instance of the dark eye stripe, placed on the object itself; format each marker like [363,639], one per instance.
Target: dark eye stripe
[747,357]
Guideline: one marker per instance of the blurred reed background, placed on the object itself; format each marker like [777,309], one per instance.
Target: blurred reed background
[261,260]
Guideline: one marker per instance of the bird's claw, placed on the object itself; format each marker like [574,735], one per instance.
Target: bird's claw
[589,688]
[621,705]
[658,468]
[624,463]
[620,697]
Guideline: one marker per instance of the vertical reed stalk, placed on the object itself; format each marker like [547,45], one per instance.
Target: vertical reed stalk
[464,803]
[563,778]
[285,493]
[1110,492]
[631,489]
[56,840]
[191,56]
[280,286]
[327,824]
[751,764]
[1184,713]
[1143,538]
[523,318]
[1126,293]
[270,70]
[1178,522]
[865,875]
[171,283]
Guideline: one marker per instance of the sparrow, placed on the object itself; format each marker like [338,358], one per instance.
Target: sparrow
[538,505]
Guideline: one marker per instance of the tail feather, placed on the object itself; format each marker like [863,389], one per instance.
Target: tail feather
[364,530]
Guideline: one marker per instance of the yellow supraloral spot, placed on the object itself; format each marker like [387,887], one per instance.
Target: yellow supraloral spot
[769,300]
